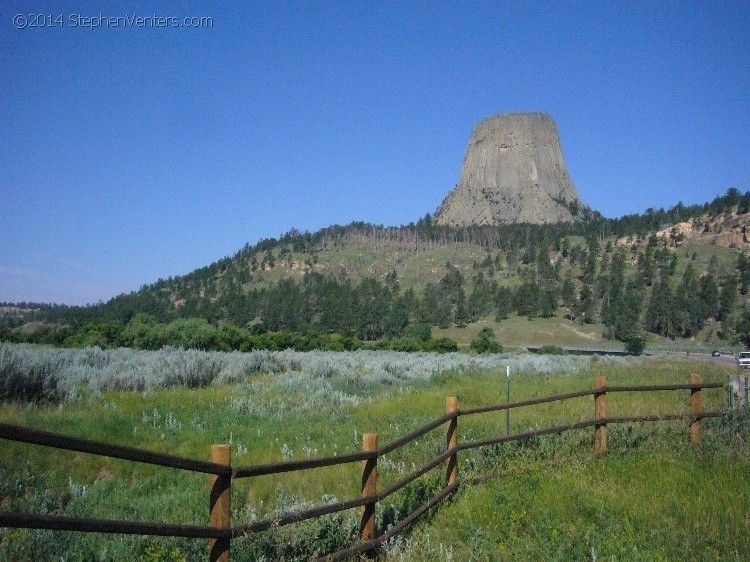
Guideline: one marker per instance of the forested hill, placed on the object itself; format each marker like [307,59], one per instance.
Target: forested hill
[677,273]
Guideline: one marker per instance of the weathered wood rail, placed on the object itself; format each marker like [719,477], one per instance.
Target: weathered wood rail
[221,531]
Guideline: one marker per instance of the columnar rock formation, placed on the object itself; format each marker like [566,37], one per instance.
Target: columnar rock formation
[513,172]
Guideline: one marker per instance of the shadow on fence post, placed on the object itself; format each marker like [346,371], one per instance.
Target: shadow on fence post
[451,467]
[369,486]
[219,504]
[696,406]
[600,412]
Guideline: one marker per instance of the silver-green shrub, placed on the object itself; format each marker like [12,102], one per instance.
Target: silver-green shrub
[39,373]
[26,376]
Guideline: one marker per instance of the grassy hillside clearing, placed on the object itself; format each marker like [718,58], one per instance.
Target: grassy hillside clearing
[521,331]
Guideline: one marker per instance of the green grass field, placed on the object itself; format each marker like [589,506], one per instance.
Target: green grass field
[652,497]
[634,505]
[520,331]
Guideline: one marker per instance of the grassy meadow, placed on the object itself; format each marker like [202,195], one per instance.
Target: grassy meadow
[522,331]
[652,497]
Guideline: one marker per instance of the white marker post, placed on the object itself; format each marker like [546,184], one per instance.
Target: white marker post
[507,400]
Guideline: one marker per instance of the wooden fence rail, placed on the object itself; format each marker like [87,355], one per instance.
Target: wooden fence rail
[220,530]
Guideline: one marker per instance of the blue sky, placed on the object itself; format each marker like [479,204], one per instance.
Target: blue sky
[133,153]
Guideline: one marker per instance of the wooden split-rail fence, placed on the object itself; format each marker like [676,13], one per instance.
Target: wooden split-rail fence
[221,530]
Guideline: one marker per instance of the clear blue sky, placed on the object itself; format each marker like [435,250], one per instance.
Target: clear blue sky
[133,153]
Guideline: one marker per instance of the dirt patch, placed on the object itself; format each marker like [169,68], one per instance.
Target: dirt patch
[104,474]
[579,332]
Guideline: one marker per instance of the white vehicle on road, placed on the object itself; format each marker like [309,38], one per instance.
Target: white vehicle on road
[743,359]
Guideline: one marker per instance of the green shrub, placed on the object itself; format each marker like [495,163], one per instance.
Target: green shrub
[191,333]
[334,345]
[552,350]
[275,341]
[422,332]
[443,345]
[635,343]
[406,344]
[485,342]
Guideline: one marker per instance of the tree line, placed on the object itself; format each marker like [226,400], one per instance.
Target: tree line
[589,285]
[630,290]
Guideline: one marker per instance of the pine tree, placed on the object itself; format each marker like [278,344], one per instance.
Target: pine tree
[709,295]
[548,303]
[568,292]
[660,316]
[481,299]
[689,310]
[527,299]
[504,303]
[611,302]
[727,295]
[646,267]
[586,305]
[628,317]
[743,268]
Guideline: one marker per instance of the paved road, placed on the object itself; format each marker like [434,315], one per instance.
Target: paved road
[724,359]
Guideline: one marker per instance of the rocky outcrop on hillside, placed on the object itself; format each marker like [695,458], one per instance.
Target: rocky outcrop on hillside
[513,172]
[728,230]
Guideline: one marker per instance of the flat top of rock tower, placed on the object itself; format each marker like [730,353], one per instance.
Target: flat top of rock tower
[521,116]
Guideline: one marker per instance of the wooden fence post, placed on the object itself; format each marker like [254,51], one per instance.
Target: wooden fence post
[600,412]
[451,467]
[696,405]
[369,486]
[220,496]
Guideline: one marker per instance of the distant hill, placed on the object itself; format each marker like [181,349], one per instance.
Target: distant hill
[679,274]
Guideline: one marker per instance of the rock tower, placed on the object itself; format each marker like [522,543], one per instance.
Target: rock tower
[513,172]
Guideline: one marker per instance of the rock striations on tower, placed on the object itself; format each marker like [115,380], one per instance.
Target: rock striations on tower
[513,172]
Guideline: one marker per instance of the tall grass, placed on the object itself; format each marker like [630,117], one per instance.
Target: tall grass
[665,502]
[273,406]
